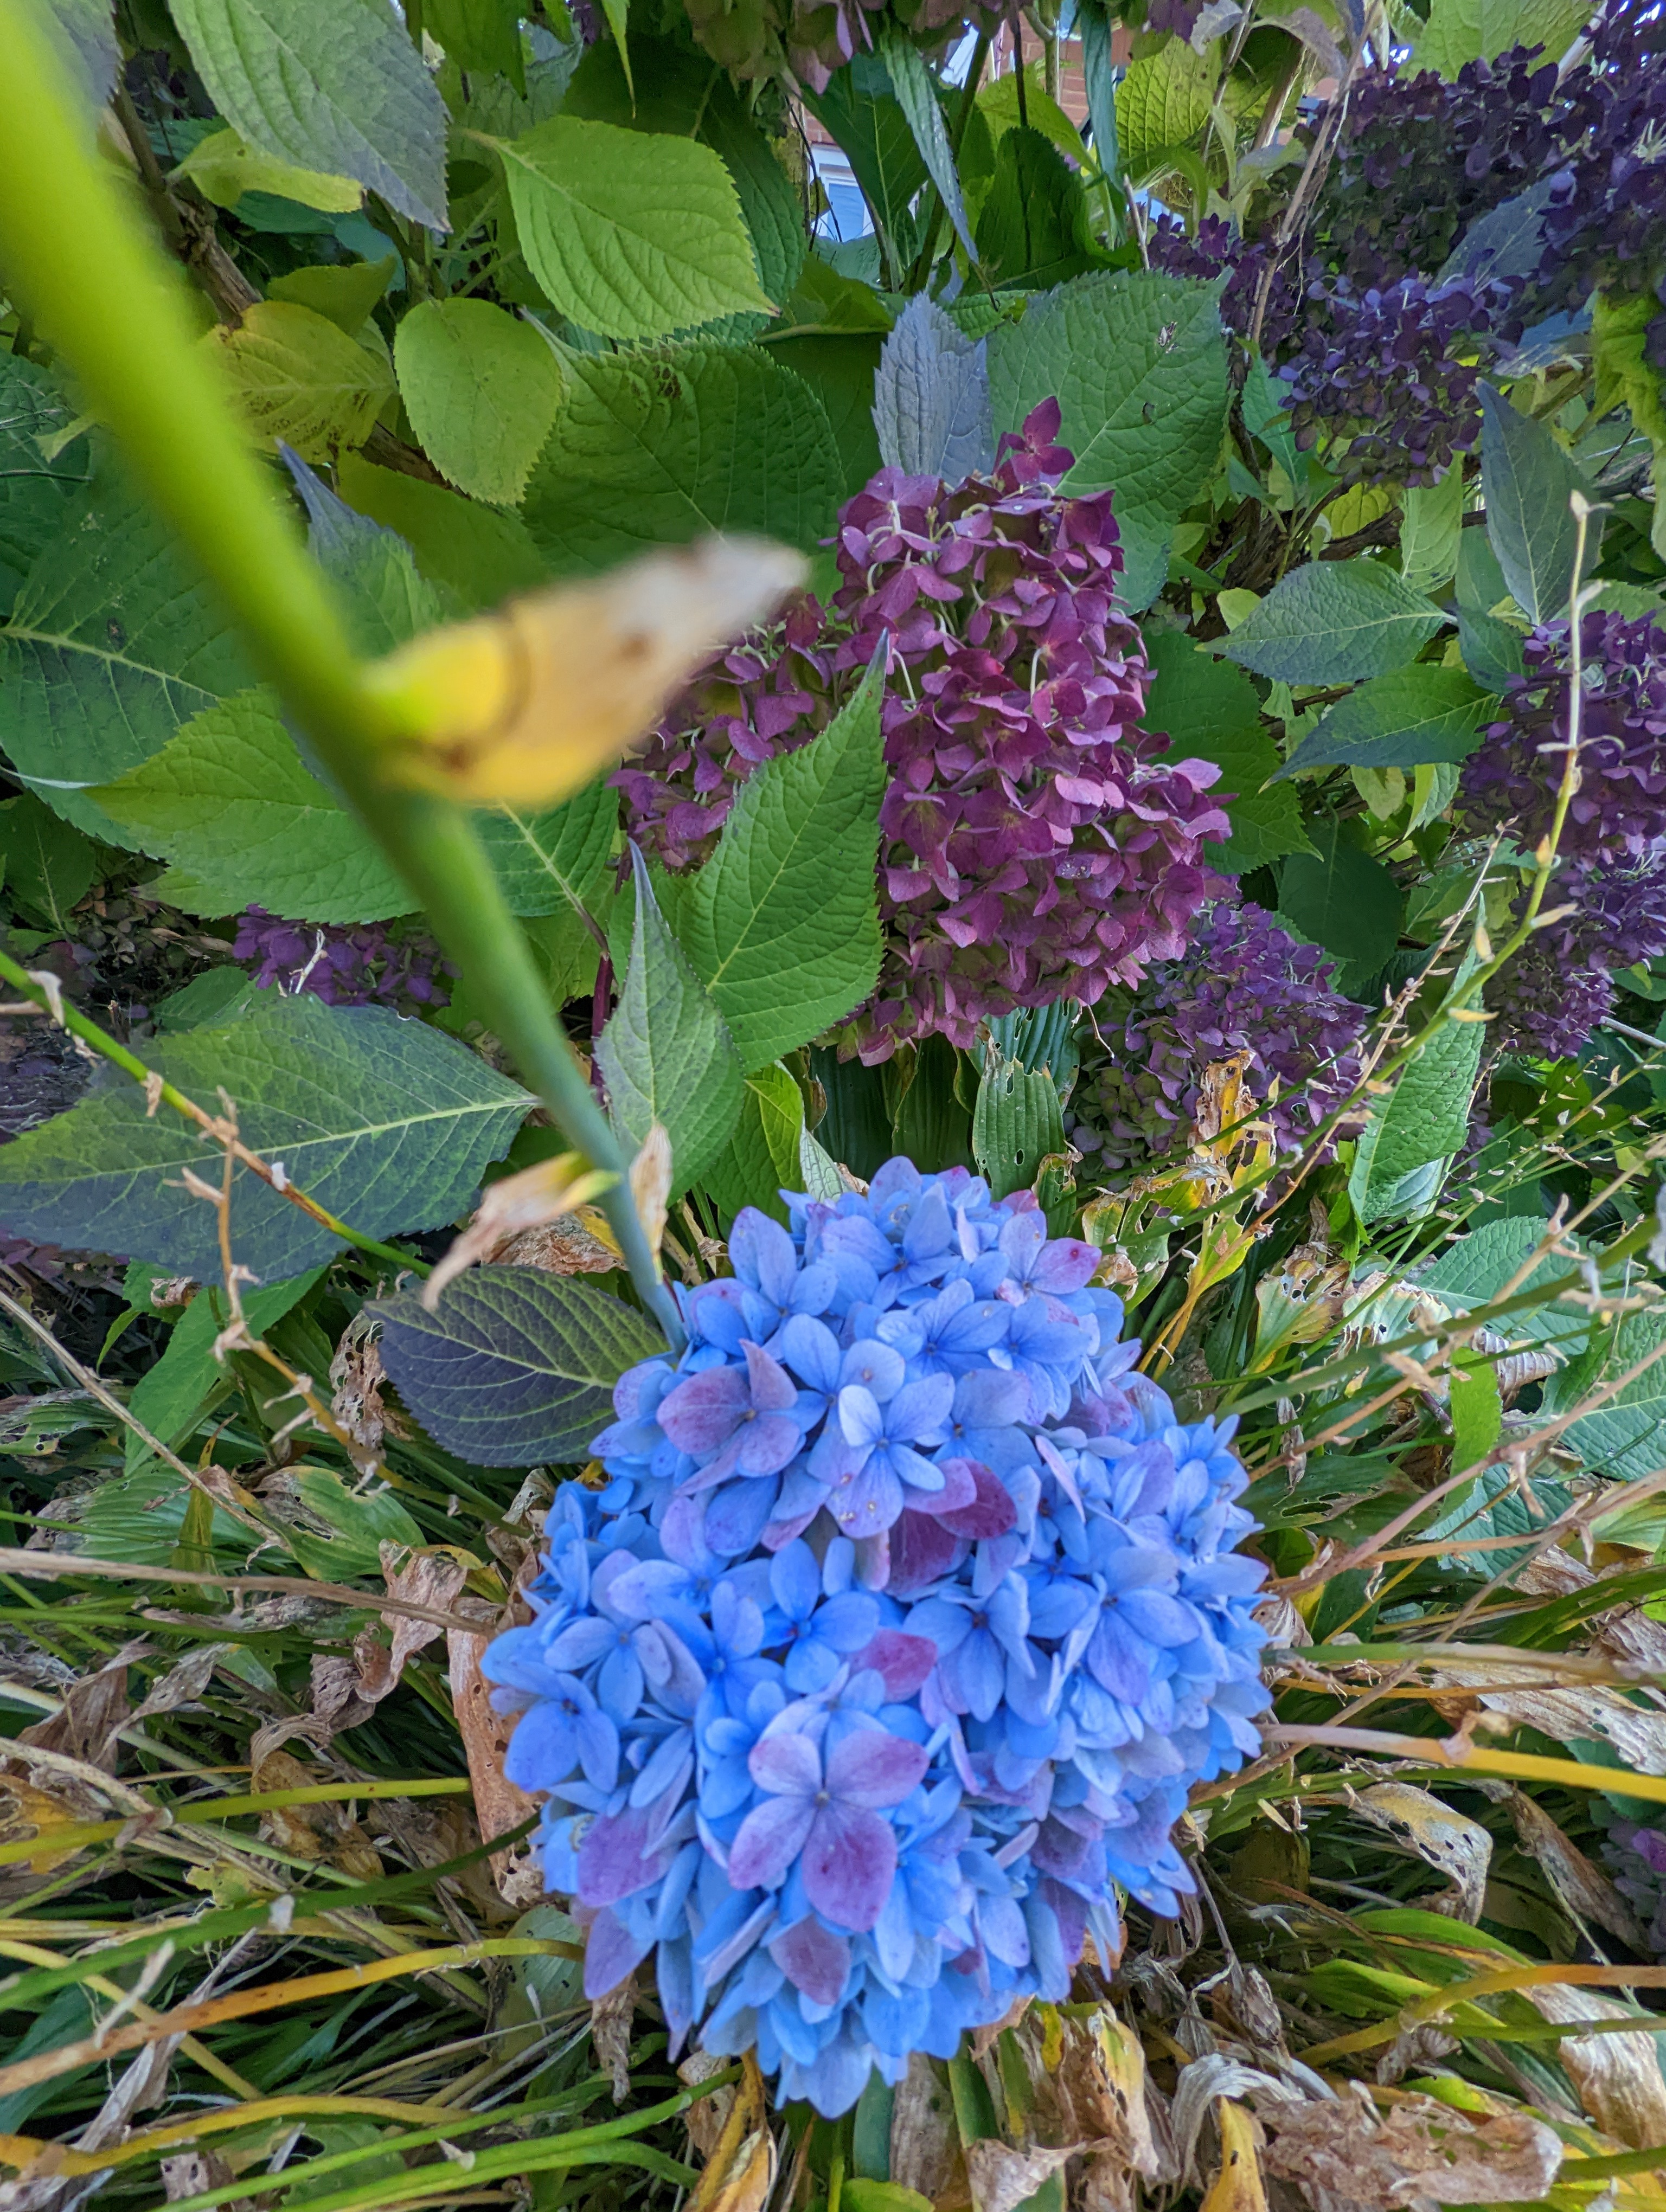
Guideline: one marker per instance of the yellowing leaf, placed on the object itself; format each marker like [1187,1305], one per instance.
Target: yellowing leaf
[222,167]
[526,706]
[301,380]
[1237,2186]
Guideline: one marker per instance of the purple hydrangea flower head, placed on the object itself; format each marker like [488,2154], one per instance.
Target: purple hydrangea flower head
[361,964]
[1636,1857]
[892,1647]
[1619,810]
[1035,841]
[1244,989]
[1389,377]
[1419,159]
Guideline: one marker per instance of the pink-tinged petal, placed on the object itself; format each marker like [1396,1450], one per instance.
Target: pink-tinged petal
[922,1551]
[765,1446]
[774,1390]
[771,1837]
[991,1511]
[959,1488]
[614,1861]
[700,1413]
[849,1864]
[901,1661]
[814,1960]
[789,1765]
[610,1952]
[875,1769]
[1065,1264]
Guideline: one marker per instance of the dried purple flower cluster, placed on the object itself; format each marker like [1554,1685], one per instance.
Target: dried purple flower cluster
[1607,227]
[1636,1857]
[1394,374]
[369,963]
[1619,810]
[1035,842]
[1217,249]
[1418,160]
[1612,846]
[907,1618]
[1244,988]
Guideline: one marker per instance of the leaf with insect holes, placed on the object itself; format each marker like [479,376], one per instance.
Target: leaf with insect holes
[515,1366]
[1016,1123]
[386,1123]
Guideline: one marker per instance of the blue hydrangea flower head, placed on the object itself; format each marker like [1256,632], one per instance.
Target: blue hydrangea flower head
[886,1657]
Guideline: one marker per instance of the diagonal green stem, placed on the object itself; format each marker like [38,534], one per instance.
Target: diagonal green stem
[106,298]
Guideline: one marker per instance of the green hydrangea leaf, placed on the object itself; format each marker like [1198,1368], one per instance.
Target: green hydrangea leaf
[554,862]
[782,922]
[1529,482]
[1138,364]
[113,643]
[661,449]
[330,86]
[1333,622]
[515,1367]
[762,1159]
[481,390]
[630,235]
[666,1056]
[1414,715]
[387,1123]
[230,803]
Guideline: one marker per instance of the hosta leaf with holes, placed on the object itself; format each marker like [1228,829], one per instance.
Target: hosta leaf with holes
[386,1123]
[515,1366]
[1016,1123]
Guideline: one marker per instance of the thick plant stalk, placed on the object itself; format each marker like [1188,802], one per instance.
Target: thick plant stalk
[99,291]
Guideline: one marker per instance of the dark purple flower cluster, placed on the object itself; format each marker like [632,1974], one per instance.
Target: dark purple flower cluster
[1619,809]
[1394,374]
[1244,988]
[1419,160]
[1035,842]
[364,964]
[1612,846]
[1636,1857]
[1218,248]
[1607,227]
[907,1618]
[1178,17]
